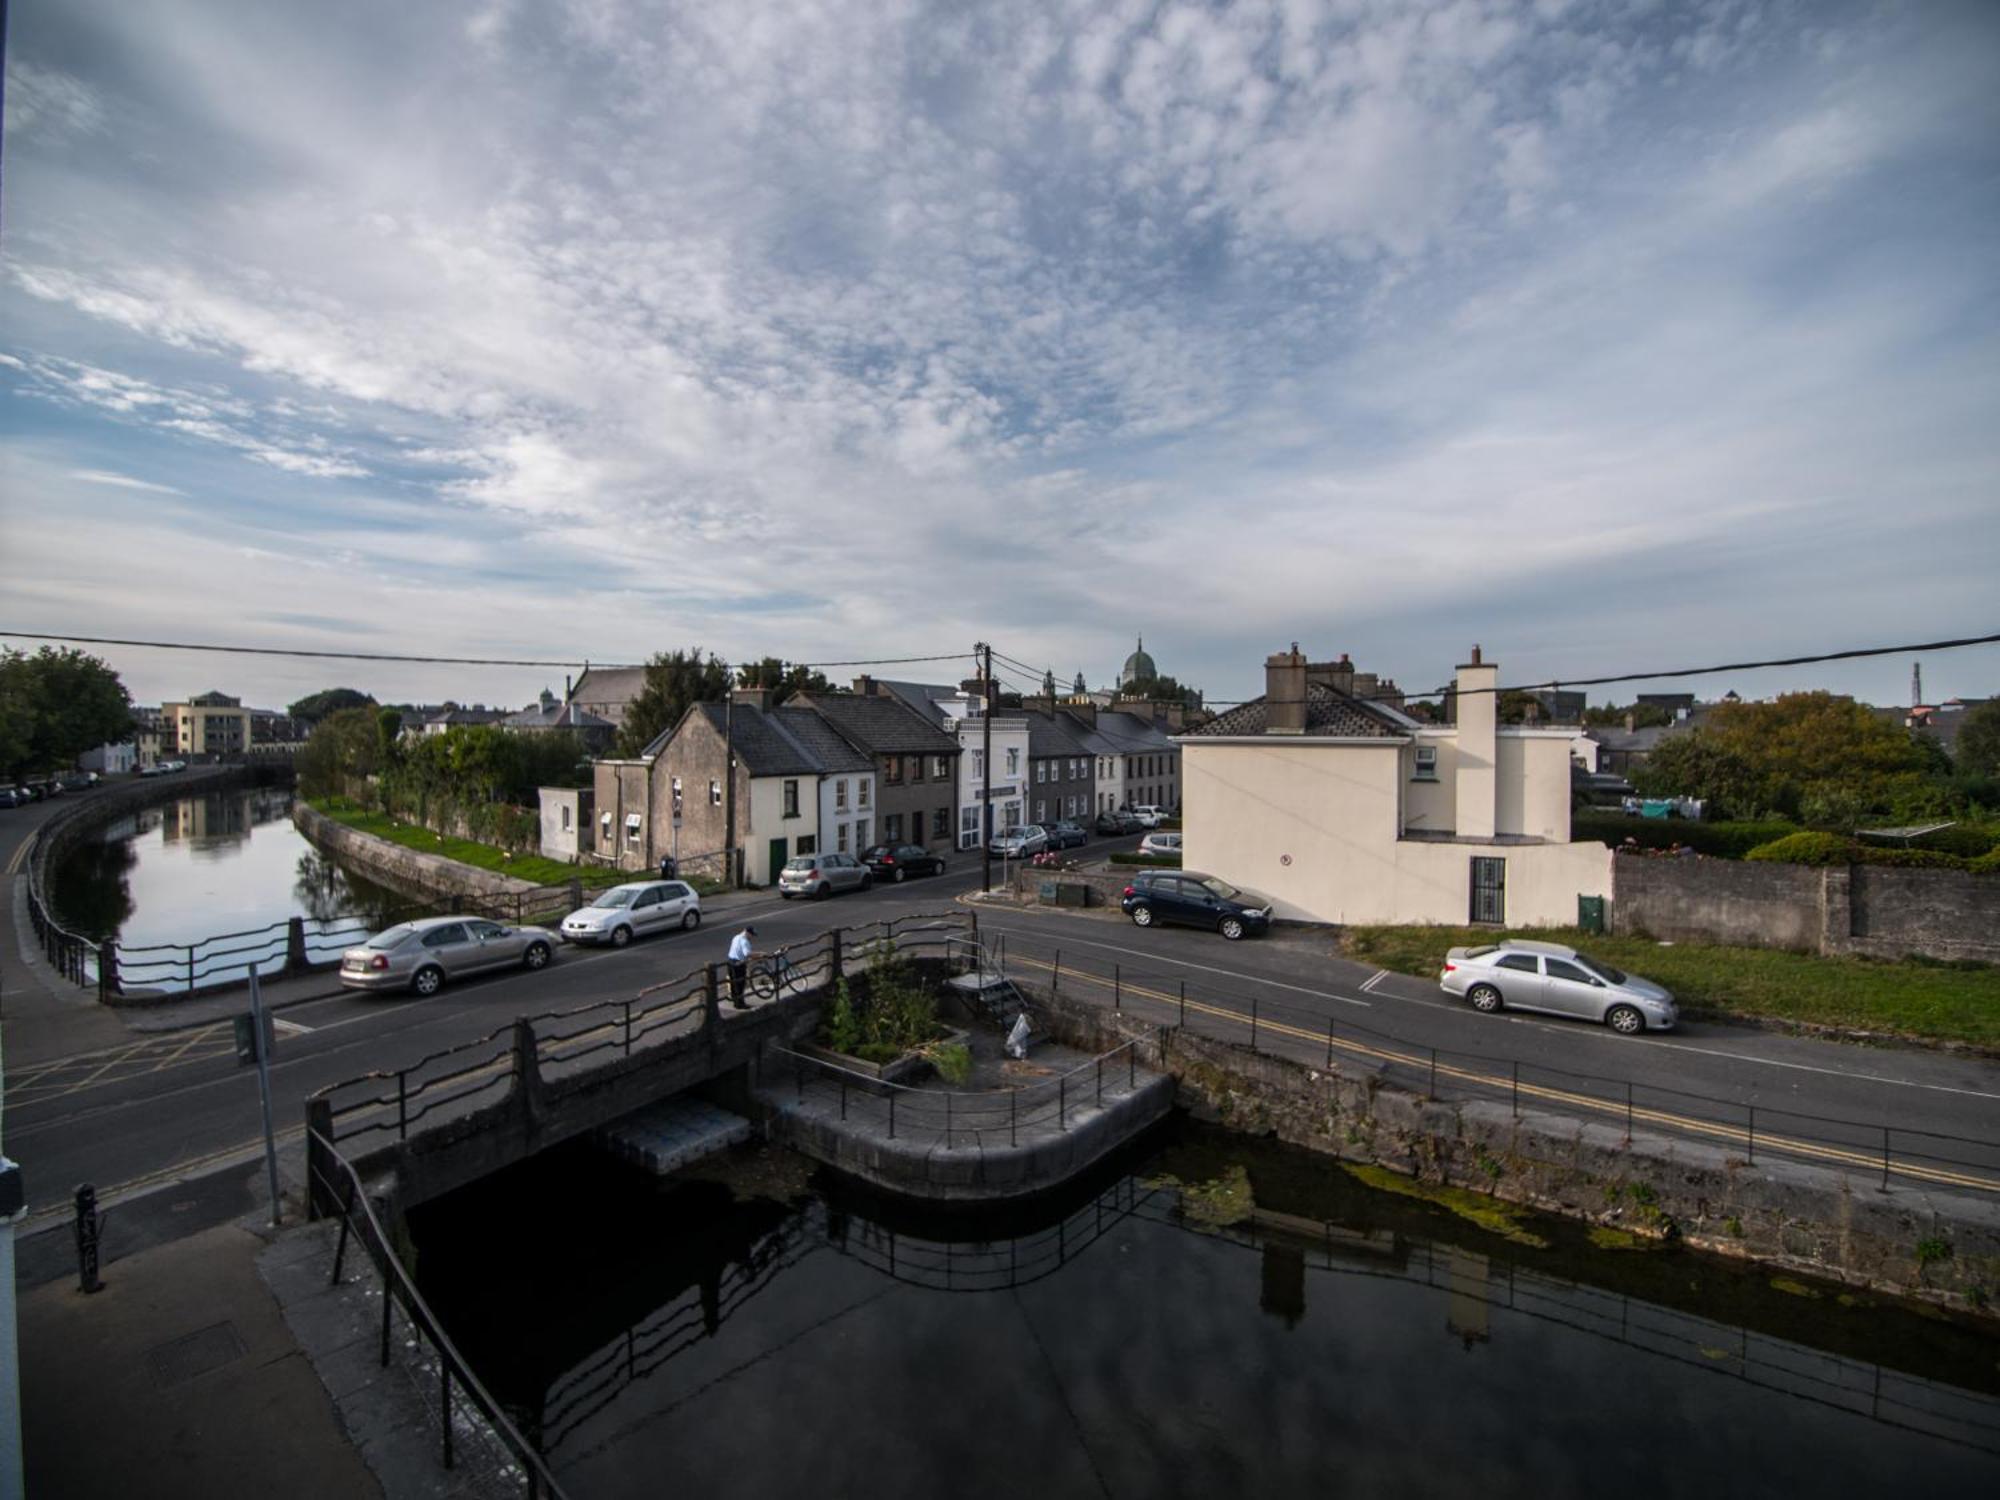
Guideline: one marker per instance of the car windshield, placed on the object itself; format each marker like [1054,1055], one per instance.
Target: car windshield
[878,852]
[611,900]
[798,864]
[1603,971]
[1221,888]
[392,937]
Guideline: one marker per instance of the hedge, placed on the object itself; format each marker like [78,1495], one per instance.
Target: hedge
[1723,840]
[1817,848]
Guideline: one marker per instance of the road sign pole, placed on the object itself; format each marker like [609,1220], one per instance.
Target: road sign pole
[260,1040]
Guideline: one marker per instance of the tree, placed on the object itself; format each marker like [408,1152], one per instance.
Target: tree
[1693,765]
[316,706]
[1642,715]
[786,680]
[345,748]
[1163,690]
[1979,740]
[675,680]
[55,705]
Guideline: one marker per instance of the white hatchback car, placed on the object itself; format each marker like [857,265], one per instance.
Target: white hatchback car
[624,912]
[1515,974]
[1161,843]
[1148,815]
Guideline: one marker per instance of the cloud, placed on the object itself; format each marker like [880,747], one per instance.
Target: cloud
[123,481]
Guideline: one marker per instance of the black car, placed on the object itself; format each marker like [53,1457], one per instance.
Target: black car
[1118,821]
[11,798]
[900,861]
[1195,900]
[1065,835]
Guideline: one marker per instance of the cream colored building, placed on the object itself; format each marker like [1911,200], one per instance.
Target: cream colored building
[1344,809]
[207,724]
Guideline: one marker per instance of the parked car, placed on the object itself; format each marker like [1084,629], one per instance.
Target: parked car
[13,797]
[1118,821]
[822,875]
[1023,842]
[627,911]
[1065,834]
[1515,974]
[422,955]
[900,861]
[1148,815]
[1161,843]
[1195,900]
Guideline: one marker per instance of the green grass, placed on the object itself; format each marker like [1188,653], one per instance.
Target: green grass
[465,851]
[1938,1002]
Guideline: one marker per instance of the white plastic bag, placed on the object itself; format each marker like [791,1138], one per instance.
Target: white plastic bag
[1017,1037]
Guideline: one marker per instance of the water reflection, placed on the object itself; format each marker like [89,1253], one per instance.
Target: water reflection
[1104,1342]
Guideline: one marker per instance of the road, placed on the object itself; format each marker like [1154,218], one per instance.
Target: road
[166,1125]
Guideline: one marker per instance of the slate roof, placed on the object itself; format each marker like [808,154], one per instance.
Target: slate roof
[557,716]
[880,726]
[1329,713]
[921,697]
[789,741]
[822,741]
[1053,735]
[1131,735]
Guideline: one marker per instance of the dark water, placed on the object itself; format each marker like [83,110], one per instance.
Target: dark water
[186,872]
[772,1332]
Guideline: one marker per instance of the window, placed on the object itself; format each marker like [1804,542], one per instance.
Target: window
[840,837]
[968,826]
[916,768]
[791,799]
[565,818]
[677,796]
[840,795]
[1525,962]
[892,828]
[1557,969]
[862,787]
[632,827]
[1427,764]
[1010,815]
[941,823]
[715,794]
[1041,767]
[1013,762]
[808,844]
[979,765]
[892,769]
[1041,811]
[604,829]
[940,770]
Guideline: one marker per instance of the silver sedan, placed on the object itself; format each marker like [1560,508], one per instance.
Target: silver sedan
[1557,981]
[421,955]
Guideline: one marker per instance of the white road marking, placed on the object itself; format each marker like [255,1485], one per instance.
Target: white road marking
[1374,979]
[1276,984]
[290,1028]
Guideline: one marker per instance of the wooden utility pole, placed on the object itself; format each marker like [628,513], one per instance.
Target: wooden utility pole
[986,780]
[730,874]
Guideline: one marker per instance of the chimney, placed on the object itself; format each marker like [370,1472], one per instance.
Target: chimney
[1916,684]
[864,686]
[1083,711]
[1631,723]
[1285,692]
[758,698]
[1478,748]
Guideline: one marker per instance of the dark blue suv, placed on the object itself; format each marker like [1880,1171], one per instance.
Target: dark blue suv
[1195,900]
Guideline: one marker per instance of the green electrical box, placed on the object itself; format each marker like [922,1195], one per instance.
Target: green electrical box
[1590,913]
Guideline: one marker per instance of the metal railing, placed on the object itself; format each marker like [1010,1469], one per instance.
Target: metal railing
[1290,1027]
[72,955]
[338,1182]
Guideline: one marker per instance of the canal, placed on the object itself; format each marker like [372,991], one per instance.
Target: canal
[1278,1328]
[187,872]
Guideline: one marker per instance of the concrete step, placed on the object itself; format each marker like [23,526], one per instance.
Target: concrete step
[667,1137]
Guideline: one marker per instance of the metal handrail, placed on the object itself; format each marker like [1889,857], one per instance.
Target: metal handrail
[354,1194]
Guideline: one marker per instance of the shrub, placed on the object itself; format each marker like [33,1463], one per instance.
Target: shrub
[1966,840]
[1163,861]
[1728,840]
[1806,848]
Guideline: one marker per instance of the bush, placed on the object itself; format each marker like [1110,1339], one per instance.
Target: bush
[1808,849]
[1722,840]
[1162,861]
[1966,840]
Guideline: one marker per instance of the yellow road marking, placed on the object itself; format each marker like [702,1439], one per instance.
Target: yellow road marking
[1810,1149]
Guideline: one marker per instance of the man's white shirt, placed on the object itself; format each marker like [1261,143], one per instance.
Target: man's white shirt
[739,948]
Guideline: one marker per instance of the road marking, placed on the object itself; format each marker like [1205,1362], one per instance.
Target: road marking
[1276,984]
[1374,979]
[290,1028]
[20,856]
[1727,1134]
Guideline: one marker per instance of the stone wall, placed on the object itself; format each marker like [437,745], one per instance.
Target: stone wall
[1839,1224]
[408,872]
[1877,911]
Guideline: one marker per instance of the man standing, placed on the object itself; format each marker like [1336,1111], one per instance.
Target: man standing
[739,966]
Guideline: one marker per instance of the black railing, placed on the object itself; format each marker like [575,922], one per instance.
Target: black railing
[70,954]
[336,1181]
[1287,1026]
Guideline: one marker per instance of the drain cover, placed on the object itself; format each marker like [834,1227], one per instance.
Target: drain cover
[193,1354]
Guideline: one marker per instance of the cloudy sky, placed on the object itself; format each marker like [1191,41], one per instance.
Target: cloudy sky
[1610,336]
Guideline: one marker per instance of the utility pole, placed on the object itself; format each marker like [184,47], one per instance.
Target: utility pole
[986,761]
[728,777]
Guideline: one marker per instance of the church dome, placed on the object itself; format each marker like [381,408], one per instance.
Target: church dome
[1138,667]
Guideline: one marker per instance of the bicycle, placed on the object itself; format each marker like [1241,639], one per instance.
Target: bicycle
[772,973]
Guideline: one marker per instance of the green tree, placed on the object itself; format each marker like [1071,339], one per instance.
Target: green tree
[1693,765]
[675,680]
[316,706]
[1613,716]
[787,680]
[57,704]
[341,753]
[1979,740]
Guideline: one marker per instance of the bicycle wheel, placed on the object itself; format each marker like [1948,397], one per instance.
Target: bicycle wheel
[763,983]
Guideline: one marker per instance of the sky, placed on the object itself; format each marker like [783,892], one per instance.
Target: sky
[1611,337]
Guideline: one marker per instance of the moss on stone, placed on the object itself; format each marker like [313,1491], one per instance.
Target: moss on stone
[1491,1214]
[1604,1237]
[1218,1203]
[1793,1288]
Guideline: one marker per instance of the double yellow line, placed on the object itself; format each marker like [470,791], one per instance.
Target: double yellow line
[1790,1145]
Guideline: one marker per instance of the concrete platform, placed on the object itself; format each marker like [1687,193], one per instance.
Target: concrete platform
[669,1136]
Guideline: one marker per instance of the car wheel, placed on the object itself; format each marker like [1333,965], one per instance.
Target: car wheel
[784,895]
[1625,1020]
[691,920]
[428,980]
[1142,916]
[1483,997]
[867,882]
[898,876]
[537,956]
[620,936]
[825,890]
[1231,928]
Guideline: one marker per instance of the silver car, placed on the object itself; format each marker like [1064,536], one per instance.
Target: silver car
[624,912]
[1023,842]
[822,875]
[423,954]
[1518,975]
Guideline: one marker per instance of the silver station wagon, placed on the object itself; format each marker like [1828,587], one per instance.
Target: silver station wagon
[422,955]
[1518,975]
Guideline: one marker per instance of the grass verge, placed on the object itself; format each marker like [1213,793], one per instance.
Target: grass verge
[1915,998]
[532,867]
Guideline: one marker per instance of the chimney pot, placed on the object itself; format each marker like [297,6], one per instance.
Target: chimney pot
[1475,654]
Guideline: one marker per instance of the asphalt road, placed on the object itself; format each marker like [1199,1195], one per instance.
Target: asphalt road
[168,1126]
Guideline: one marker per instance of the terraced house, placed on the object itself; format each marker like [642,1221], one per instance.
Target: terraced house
[914,759]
